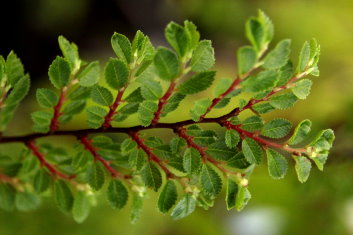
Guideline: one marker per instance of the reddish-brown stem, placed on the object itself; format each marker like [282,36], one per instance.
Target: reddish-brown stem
[112,109]
[40,156]
[88,145]
[163,101]
[151,156]
[54,124]
[264,142]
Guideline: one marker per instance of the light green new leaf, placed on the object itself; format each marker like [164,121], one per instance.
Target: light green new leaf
[81,207]
[279,56]
[283,101]
[247,58]
[46,98]
[117,194]
[70,52]
[232,138]
[89,75]
[146,112]
[302,167]
[59,72]
[277,164]
[177,38]
[242,198]
[63,196]
[197,83]
[203,57]
[122,47]
[304,57]
[191,160]
[96,176]
[101,95]
[166,63]
[136,208]
[192,34]
[301,132]
[26,201]
[276,128]
[151,176]
[323,141]
[200,107]
[210,180]
[252,151]
[167,197]
[302,88]
[116,73]
[14,68]
[255,32]
[184,207]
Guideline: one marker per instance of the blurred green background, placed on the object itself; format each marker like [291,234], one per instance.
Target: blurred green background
[323,205]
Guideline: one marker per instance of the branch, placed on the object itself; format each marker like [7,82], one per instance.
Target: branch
[163,101]
[113,108]
[88,145]
[54,124]
[32,146]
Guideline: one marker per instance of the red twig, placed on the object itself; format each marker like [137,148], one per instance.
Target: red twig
[151,156]
[88,145]
[54,125]
[32,146]
[163,101]
[112,109]
[264,142]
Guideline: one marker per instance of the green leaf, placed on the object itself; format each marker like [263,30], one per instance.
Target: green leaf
[46,98]
[96,176]
[255,32]
[191,161]
[89,75]
[177,38]
[302,88]
[283,101]
[276,128]
[184,207]
[81,207]
[210,180]
[122,47]
[203,57]
[252,123]
[117,194]
[301,132]
[220,151]
[151,90]
[252,151]
[242,198]
[262,81]
[279,56]
[323,141]
[166,64]
[238,161]
[41,181]
[14,68]
[63,196]
[263,108]
[222,86]
[192,34]
[70,52]
[151,176]
[167,197]
[95,116]
[26,201]
[173,103]
[277,164]
[302,167]
[59,72]
[200,107]
[7,197]
[146,112]
[197,83]
[18,92]
[116,73]
[231,194]
[232,138]
[176,144]
[247,58]
[134,96]
[101,95]
[42,120]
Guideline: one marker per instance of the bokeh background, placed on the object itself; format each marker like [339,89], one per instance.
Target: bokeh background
[323,205]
